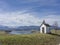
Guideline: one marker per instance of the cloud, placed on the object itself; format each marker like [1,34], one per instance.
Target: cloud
[50,19]
[40,2]
[18,19]
[25,19]
[28,12]
[30,5]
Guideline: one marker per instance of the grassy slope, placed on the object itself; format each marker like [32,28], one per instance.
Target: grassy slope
[31,39]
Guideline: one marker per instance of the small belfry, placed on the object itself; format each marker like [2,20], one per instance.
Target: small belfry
[45,28]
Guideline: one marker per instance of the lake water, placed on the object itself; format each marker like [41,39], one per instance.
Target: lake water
[20,32]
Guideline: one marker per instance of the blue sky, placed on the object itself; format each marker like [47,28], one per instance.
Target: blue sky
[29,12]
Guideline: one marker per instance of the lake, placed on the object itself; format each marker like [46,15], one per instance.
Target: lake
[20,32]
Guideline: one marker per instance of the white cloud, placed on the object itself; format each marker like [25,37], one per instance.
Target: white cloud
[50,19]
[18,19]
[25,19]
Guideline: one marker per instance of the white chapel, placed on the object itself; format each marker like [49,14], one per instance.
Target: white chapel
[45,28]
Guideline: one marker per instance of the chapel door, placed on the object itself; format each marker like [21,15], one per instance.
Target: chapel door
[42,29]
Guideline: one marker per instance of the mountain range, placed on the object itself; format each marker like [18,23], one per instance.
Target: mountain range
[27,28]
[24,28]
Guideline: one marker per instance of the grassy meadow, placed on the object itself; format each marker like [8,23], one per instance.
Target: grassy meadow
[30,39]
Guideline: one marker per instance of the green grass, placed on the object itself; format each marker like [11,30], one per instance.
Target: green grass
[29,39]
[56,32]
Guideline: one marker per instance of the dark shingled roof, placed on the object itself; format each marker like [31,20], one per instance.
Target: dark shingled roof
[45,23]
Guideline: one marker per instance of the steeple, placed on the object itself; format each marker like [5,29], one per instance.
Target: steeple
[43,22]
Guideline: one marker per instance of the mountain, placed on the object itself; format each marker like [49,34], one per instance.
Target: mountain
[27,28]
[3,27]
[24,28]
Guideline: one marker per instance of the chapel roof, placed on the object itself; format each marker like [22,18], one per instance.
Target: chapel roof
[45,23]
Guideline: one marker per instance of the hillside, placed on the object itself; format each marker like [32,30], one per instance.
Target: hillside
[30,39]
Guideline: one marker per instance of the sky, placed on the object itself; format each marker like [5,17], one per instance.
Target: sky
[29,12]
